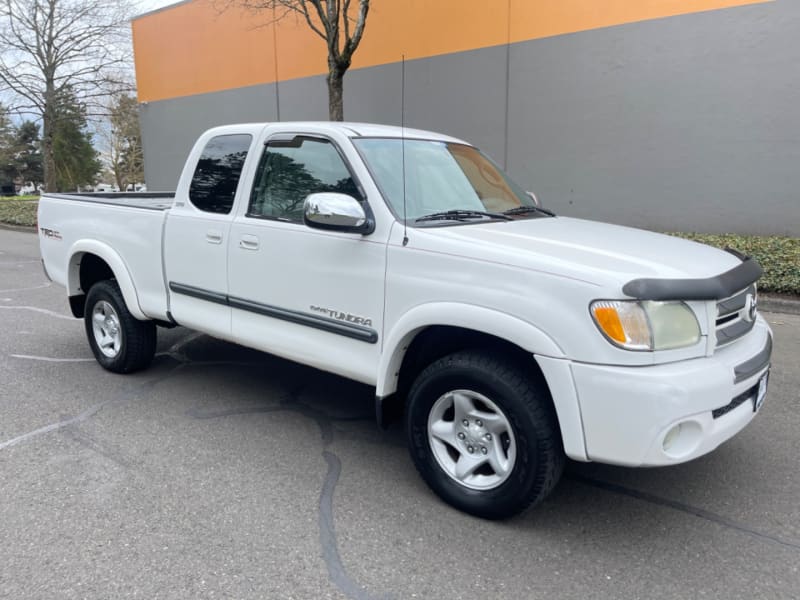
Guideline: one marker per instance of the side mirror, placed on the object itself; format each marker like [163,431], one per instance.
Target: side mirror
[336,212]
[534,198]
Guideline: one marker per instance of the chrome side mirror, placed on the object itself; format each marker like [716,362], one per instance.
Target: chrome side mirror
[533,197]
[336,212]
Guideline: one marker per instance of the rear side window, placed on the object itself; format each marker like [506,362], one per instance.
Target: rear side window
[213,186]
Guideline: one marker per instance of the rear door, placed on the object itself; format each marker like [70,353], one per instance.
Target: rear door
[196,236]
[306,294]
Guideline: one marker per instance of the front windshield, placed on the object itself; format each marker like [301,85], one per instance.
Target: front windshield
[439,176]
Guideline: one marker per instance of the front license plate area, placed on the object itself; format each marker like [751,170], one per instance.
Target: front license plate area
[758,399]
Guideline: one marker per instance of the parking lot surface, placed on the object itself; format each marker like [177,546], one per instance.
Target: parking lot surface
[222,472]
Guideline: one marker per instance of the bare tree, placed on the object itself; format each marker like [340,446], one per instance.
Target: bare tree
[333,20]
[122,141]
[50,46]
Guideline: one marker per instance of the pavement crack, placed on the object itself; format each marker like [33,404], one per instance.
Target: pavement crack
[327,529]
[89,412]
[102,448]
[700,513]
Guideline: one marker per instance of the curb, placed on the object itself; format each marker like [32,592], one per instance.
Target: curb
[779,304]
[22,228]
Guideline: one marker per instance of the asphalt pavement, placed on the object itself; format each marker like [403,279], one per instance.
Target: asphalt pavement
[222,472]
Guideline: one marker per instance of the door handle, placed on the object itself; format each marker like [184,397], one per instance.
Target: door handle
[213,236]
[248,242]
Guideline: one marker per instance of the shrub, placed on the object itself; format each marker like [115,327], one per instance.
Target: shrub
[779,257]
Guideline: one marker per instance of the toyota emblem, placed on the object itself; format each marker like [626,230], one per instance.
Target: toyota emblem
[750,306]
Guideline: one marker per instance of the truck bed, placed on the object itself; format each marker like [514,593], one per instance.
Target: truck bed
[127,225]
[148,200]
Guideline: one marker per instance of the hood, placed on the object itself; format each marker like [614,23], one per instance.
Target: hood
[595,252]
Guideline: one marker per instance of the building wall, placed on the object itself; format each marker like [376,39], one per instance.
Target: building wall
[685,122]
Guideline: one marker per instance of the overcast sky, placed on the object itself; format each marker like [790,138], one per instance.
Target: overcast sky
[148,5]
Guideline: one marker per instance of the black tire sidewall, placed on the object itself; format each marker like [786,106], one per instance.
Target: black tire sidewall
[137,337]
[458,372]
[100,292]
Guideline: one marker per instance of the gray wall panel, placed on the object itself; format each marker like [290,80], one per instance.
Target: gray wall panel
[463,95]
[170,127]
[686,123]
[303,99]
[683,123]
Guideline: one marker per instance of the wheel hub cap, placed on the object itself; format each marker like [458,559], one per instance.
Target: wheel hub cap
[106,329]
[472,439]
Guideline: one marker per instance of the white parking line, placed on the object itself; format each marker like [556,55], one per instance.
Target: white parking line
[50,358]
[40,310]
[27,289]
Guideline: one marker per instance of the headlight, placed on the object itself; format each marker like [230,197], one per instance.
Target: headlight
[648,326]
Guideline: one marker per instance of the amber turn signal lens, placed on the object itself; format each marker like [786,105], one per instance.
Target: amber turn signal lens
[609,322]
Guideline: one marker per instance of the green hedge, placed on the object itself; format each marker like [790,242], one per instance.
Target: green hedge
[779,256]
[19,211]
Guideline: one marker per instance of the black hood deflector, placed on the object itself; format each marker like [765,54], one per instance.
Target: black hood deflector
[711,288]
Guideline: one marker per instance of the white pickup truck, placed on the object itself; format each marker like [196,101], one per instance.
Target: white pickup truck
[508,337]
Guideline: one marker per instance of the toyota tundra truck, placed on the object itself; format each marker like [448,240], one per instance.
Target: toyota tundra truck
[505,337]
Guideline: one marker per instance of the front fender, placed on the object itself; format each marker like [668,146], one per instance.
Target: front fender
[467,316]
[548,354]
[114,261]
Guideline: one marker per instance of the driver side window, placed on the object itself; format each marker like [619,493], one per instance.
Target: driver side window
[291,170]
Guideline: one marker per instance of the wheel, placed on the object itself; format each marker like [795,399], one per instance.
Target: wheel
[120,342]
[483,434]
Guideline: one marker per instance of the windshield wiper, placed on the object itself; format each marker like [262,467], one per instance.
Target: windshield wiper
[521,210]
[461,215]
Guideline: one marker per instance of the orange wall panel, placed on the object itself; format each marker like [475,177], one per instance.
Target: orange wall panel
[532,19]
[193,48]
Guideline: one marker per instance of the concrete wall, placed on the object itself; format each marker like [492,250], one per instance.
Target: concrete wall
[682,123]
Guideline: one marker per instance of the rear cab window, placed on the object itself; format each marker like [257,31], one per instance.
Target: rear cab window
[216,177]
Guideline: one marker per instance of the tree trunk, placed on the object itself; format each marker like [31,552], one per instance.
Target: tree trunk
[48,150]
[48,154]
[335,94]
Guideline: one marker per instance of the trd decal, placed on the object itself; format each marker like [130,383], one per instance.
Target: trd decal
[51,234]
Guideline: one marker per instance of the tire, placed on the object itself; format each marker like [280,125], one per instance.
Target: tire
[510,454]
[120,342]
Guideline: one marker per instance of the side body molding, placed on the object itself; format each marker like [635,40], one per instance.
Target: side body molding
[114,261]
[477,318]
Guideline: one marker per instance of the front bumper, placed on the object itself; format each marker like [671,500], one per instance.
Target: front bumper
[629,414]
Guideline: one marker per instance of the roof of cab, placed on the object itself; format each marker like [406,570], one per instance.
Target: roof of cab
[353,130]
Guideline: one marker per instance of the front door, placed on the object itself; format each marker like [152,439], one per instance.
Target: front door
[305,294]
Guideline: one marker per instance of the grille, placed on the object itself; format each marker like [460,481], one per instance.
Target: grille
[733,318]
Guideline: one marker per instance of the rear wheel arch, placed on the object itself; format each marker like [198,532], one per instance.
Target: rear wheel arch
[91,261]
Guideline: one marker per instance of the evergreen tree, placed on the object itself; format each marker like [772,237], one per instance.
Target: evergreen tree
[76,160]
[28,154]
